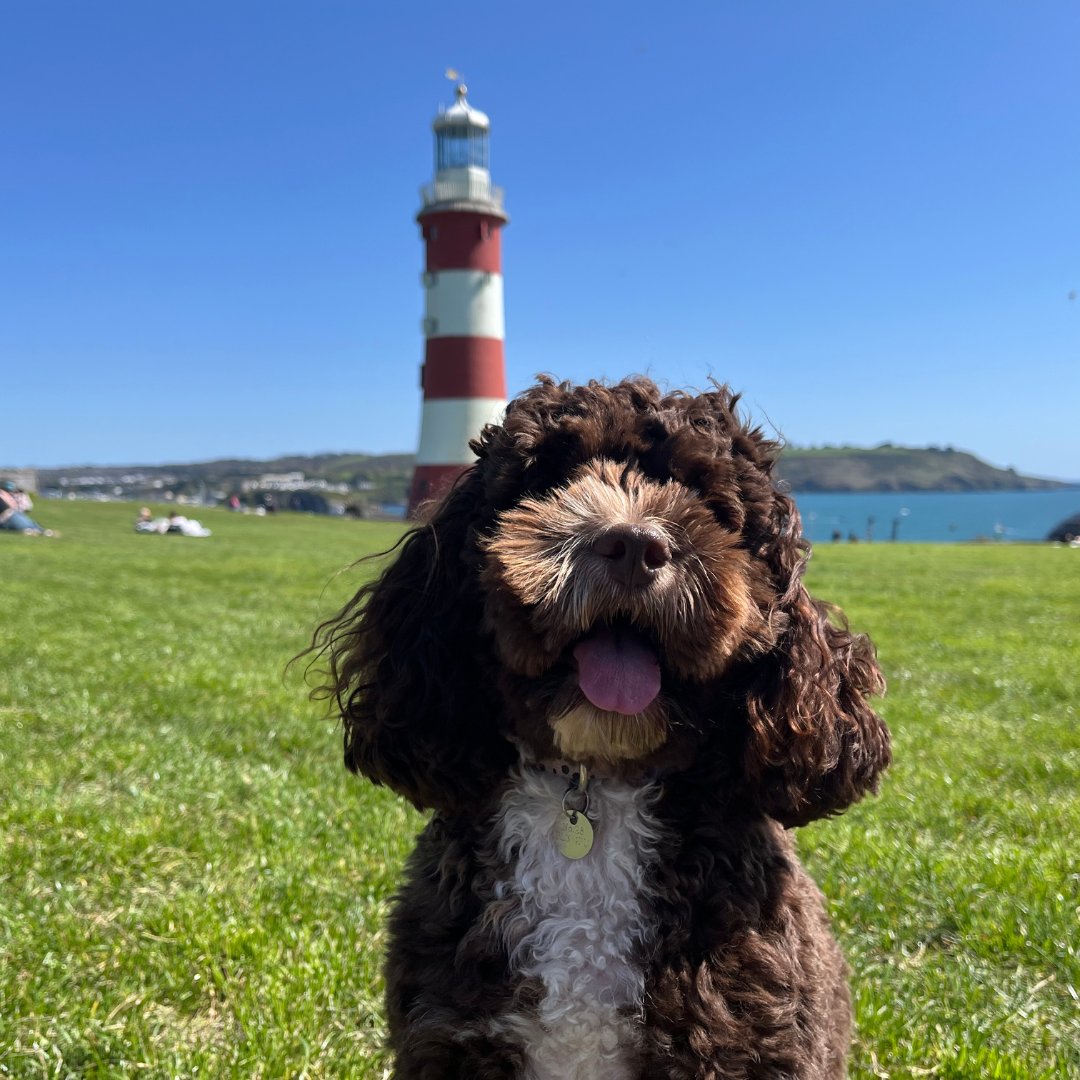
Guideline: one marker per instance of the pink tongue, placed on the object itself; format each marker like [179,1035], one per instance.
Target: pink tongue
[617,673]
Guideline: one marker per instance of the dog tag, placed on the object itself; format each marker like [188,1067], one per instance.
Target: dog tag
[573,834]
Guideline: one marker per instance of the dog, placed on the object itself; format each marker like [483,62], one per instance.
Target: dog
[597,664]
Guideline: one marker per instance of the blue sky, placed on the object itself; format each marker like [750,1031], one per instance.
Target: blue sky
[865,216]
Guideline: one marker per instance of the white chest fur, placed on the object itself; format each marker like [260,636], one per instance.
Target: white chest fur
[577,926]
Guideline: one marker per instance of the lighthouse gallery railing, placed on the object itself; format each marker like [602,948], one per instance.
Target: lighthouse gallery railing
[462,189]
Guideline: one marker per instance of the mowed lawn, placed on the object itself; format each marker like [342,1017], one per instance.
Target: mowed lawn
[190,885]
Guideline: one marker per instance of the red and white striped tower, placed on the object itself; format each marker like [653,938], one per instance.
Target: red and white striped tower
[464,374]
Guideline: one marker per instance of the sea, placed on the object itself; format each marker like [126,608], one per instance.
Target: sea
[935,516]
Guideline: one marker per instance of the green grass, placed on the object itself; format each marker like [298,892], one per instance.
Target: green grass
[191,886]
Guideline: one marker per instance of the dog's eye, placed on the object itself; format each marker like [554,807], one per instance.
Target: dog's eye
[541,476]
[703,423]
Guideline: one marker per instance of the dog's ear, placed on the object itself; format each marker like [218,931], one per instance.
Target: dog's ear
[814,745]
[406,667]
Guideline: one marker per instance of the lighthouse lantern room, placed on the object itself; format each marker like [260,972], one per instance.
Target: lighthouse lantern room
[464,376]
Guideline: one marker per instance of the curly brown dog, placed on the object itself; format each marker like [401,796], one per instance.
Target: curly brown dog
[598,666]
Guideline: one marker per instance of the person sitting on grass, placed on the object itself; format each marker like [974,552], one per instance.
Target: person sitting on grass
[147,523]
[185,526]
[14,504]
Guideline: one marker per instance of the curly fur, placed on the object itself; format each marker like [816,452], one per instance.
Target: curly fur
[575,928]
[455,670]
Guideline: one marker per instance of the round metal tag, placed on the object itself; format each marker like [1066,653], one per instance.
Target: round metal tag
[573,835]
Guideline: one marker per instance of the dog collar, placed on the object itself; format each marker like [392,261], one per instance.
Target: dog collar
[569,770]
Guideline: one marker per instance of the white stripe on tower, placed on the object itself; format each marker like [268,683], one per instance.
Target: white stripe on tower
[449,424]
[464,377]
[463,303]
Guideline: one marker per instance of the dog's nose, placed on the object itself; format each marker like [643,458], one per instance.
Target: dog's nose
[634,553]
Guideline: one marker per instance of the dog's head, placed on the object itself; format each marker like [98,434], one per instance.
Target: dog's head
[616,582]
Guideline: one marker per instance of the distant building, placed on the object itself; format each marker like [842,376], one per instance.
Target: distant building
[290,481]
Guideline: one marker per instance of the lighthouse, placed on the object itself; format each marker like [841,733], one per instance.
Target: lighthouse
[464,373]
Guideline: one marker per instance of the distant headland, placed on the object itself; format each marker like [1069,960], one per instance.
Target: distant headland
[900,468]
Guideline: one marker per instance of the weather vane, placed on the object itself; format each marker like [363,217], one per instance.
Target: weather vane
[455,76]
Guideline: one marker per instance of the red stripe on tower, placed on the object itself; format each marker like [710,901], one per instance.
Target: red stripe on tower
[469,367]
[464,373]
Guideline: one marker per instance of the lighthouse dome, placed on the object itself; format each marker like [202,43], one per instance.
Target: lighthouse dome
[461,113]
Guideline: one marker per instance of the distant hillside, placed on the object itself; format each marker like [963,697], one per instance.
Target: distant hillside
[349,469]
[899,468]
[359,480]
[367,480]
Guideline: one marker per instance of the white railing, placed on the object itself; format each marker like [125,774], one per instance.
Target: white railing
[462,189]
